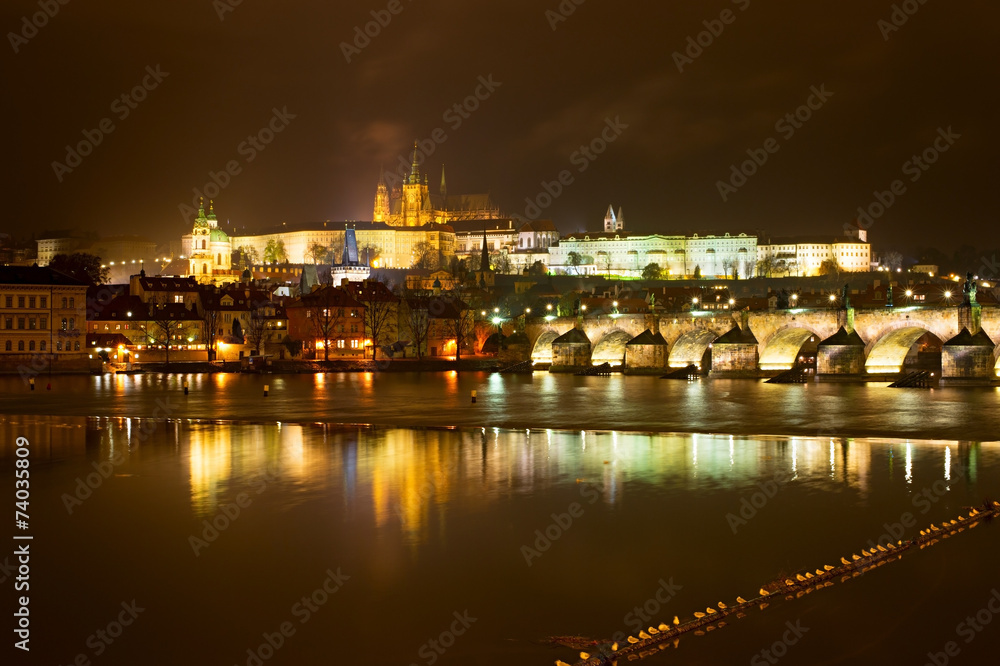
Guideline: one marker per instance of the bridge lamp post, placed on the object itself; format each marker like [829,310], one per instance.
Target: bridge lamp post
[549,316]
[694,303]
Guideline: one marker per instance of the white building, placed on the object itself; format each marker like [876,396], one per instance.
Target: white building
[806,256]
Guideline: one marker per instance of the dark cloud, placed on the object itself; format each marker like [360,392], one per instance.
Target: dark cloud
[606,60]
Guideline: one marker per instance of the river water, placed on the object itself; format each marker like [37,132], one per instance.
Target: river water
[457,534]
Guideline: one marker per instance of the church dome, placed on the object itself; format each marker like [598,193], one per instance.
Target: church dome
[218,235]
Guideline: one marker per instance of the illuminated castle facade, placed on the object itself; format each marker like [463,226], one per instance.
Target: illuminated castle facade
[410,203]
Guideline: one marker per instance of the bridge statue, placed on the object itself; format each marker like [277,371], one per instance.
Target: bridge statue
[888,297]
[970,290]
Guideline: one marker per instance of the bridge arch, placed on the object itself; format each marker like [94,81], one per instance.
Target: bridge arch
[781,350]
[611,348]
[690,348]
[886,352]
[542,351]
[996,358]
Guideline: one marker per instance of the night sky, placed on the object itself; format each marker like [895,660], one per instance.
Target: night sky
[561,82]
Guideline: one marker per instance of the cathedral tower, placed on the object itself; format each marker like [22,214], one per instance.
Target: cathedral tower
[381,213]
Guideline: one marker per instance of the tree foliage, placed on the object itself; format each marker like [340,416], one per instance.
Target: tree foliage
[652,271]
[82,266]
[274,252]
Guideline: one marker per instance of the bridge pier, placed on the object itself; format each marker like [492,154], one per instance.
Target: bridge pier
[841,354]
[968,356]
[736,354]
[571,352]
[646,354]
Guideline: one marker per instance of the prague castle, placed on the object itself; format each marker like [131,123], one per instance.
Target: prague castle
[413,205]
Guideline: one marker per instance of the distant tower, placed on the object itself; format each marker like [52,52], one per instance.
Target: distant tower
[444,185]
[621,219]
[381,213]
[416,203]
[484,261]
[611,221]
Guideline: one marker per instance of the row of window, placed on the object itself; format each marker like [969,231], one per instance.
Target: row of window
[42,346]
[35,302]
[37,323]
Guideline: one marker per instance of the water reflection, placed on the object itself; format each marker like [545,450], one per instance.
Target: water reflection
[411,479]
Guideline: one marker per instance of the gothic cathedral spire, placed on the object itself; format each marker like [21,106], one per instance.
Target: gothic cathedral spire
[381,213]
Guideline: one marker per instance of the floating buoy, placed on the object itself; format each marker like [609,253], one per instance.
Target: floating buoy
[855,557]
[677,620]
[740,600]
[633,639]
[843,560]
[643,635]
[763,592]
[710,610]
[664,627]
[699,615]
[722,605]
[614,647]
[800,577]
[789,582]
[585,656]
[828,567]
[653,631]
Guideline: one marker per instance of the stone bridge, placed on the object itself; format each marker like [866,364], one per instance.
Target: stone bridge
[872,341]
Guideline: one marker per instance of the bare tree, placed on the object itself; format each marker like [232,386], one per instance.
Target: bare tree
[574,260]
[426,256]
[317,252]
[460,320]
[892,260]
[381,310]
[326,313]
[159,328]
[605,259]
[211,318]
[257,326]
[501,263]
[417,319]
[729,265]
